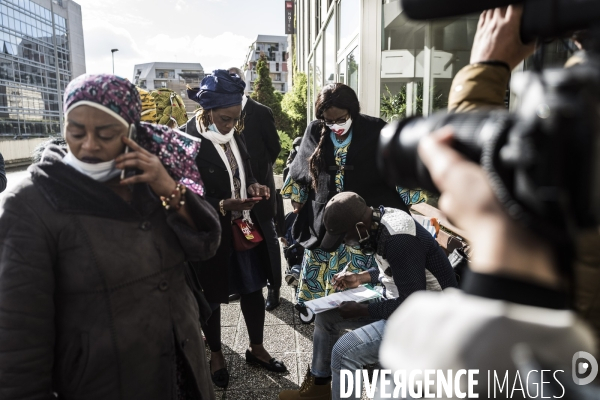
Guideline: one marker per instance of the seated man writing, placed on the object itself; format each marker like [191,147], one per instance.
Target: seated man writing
[408,260]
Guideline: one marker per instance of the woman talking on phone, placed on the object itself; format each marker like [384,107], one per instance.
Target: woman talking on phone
[94,281]
[241,264]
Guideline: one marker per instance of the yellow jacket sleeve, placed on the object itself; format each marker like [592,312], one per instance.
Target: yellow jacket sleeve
[478,85]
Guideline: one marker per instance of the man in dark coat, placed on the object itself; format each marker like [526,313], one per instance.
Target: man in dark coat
[263,145]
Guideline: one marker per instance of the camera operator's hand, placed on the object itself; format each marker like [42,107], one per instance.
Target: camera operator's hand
[498,37]
[500,245]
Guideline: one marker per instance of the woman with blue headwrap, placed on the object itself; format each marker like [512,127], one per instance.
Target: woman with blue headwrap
[233,191]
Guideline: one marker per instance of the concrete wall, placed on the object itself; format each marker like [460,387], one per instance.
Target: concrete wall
[18,152]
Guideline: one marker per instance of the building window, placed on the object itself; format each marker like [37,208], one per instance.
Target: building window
[348,22]
[342,71]
[311,90]
[277,67]
[403,46]
[165,74]
[330,52]
[319,67]
[353,69]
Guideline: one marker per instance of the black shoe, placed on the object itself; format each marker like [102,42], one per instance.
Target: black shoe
[220,378]
[272,300]
[234,297]
[273,365]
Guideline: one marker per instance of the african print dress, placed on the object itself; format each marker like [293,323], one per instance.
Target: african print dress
[318,266]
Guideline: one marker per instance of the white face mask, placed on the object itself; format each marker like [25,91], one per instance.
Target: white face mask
[341,130]
[100,172]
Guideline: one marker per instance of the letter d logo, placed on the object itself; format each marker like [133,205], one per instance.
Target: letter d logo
[581,367]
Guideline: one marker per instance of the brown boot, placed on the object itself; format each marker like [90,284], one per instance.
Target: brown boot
[308,390]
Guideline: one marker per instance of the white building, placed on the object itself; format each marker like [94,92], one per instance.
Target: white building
[276,50]
[170,75]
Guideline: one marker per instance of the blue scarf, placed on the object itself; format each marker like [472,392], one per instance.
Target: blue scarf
[344,143]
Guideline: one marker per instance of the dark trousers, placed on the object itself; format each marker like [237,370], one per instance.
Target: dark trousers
[253,309]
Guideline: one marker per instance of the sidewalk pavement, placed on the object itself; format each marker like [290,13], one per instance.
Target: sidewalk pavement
[286,338]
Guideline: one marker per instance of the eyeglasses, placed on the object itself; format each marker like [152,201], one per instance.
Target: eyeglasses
[341,122]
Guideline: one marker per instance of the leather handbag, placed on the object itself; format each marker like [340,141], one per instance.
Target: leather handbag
[245,235]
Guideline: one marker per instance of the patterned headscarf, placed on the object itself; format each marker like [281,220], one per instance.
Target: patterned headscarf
[119,98]
[219,90]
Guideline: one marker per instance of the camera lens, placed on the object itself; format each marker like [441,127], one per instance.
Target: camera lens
[399,141]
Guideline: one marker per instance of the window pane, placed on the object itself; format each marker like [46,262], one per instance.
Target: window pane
[401,64]
[353,61]
[319,67]
[330,51]
[348,21]
[452,42]
[311,102]
[342,71]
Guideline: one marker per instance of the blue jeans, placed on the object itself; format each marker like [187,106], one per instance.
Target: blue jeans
[327,331]
[354,350]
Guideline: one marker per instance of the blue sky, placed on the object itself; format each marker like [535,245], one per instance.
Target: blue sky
[215,33]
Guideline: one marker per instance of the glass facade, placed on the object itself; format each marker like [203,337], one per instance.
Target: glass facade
[32,52]
[398,67]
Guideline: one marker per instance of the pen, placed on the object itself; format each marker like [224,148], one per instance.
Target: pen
[343,270]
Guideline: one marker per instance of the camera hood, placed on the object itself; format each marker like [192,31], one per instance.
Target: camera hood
[541,18]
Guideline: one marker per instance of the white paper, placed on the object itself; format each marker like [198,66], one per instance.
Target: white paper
[359,294]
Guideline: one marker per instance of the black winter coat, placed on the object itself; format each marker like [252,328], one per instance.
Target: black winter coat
[214,272]
[361,176]
[263,146]
[93,293]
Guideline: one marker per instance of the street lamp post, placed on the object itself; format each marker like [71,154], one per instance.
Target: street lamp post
[113,58]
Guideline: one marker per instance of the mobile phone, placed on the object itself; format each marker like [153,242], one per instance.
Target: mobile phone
[127,172]
[255,198]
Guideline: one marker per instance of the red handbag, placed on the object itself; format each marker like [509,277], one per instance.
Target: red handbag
[245,235]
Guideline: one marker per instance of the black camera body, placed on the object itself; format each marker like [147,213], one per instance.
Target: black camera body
[543,161]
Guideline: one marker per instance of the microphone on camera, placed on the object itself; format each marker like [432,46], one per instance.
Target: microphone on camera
[431,9]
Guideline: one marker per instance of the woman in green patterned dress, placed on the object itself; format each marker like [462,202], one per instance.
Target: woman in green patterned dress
[338,153]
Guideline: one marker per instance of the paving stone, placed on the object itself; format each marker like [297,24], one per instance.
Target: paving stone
[304,337]
[230,314]
[285,338]
[304,360]
[277,339]
[245,376]
[288,292]
[249,394]
[228,339]
[282,315]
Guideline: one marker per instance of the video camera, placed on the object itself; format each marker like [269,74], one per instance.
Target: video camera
[544,160]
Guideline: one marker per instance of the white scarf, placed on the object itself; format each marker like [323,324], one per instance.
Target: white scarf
[217,140]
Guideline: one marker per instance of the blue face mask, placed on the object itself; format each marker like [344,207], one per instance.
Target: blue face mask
[213,127]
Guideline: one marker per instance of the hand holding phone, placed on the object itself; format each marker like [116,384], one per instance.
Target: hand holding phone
[252,199]
[131,136]
[257,190]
